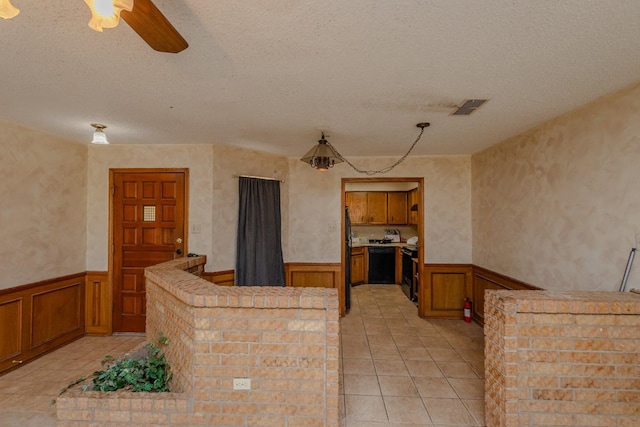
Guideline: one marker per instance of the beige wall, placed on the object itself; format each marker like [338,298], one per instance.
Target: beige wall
[224,215]
[315,205]
[213,193]
[198,158]
[559,206]
[311,202]
[43,216]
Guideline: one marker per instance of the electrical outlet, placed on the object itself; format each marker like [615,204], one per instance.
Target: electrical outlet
[333,226]
[242,383]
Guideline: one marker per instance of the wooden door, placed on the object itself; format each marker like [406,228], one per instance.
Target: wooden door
[377,207]
[397,208]
[148,227]
[357,202]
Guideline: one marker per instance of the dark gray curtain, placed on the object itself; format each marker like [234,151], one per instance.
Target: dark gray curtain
[259,247]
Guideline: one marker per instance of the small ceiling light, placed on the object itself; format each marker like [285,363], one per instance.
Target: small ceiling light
[324,155]
[99,137]
[7,10]
[106,13]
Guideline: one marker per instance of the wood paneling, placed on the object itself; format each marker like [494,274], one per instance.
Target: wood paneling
[56,312]
[313,275]
[11,328]
[97,303]
[220,278]
[443,290]
[484,279]
[297,274]
[39,317]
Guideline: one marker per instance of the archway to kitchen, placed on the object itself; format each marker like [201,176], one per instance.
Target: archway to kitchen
[377,205]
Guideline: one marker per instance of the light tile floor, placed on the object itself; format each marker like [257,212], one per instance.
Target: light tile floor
[397,369]
[401,370]
[26,393]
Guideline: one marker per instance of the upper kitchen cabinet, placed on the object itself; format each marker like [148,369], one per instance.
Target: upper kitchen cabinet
[397,208]
[377,208]
[357,203]
[413,206]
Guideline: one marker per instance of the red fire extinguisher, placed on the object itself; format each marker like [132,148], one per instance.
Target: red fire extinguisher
[467,310]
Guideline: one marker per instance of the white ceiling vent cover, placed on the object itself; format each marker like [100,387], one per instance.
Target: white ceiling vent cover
[468,107]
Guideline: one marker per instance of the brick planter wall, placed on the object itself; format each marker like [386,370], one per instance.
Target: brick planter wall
[562,359]
[285,340]
[122,408]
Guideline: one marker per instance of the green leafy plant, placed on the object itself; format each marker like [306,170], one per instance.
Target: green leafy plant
[145,370]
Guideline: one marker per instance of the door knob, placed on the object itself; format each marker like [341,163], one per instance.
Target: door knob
[179,240]
[179,251]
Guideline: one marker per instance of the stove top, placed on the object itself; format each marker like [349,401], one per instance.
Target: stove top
[380,241]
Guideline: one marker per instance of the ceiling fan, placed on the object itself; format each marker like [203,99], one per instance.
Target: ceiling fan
[141,15]
[153,27]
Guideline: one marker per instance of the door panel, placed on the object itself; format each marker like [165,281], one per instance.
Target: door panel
[148,212]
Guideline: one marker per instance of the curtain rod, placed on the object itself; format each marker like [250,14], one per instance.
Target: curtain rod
[258,177]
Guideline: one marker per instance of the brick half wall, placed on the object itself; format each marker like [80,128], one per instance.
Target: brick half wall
[554,358]
[285,340]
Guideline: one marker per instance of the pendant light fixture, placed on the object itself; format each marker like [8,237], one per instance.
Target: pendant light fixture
[106,13]
[324,155]
[7,10]
[99,137]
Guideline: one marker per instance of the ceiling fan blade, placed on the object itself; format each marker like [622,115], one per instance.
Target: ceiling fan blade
[154,28]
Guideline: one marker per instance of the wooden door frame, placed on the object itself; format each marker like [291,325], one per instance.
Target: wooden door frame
[111,248]
[420,181]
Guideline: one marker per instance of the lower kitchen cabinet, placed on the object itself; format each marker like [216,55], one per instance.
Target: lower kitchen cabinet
[358,265]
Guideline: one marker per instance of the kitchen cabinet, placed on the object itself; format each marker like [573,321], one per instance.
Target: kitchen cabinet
[358,265]
[398,265]
[377,207]
[357,203]
[397,207]
[413,201]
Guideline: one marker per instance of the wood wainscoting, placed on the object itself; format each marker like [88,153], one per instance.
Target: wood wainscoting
[97,306]
[443,288]
[318,275]
[39,317]
[484,279]
[300,274]
[220,278]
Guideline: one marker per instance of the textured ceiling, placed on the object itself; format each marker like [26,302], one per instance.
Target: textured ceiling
[269,75]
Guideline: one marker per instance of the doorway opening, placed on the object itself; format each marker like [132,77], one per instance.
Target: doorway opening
[381,211]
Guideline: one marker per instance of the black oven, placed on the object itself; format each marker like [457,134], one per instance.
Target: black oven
[407,272]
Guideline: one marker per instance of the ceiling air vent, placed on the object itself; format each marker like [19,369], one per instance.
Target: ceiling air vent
[468,107]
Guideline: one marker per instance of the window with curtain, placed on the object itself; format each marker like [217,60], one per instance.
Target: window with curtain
[259,259]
